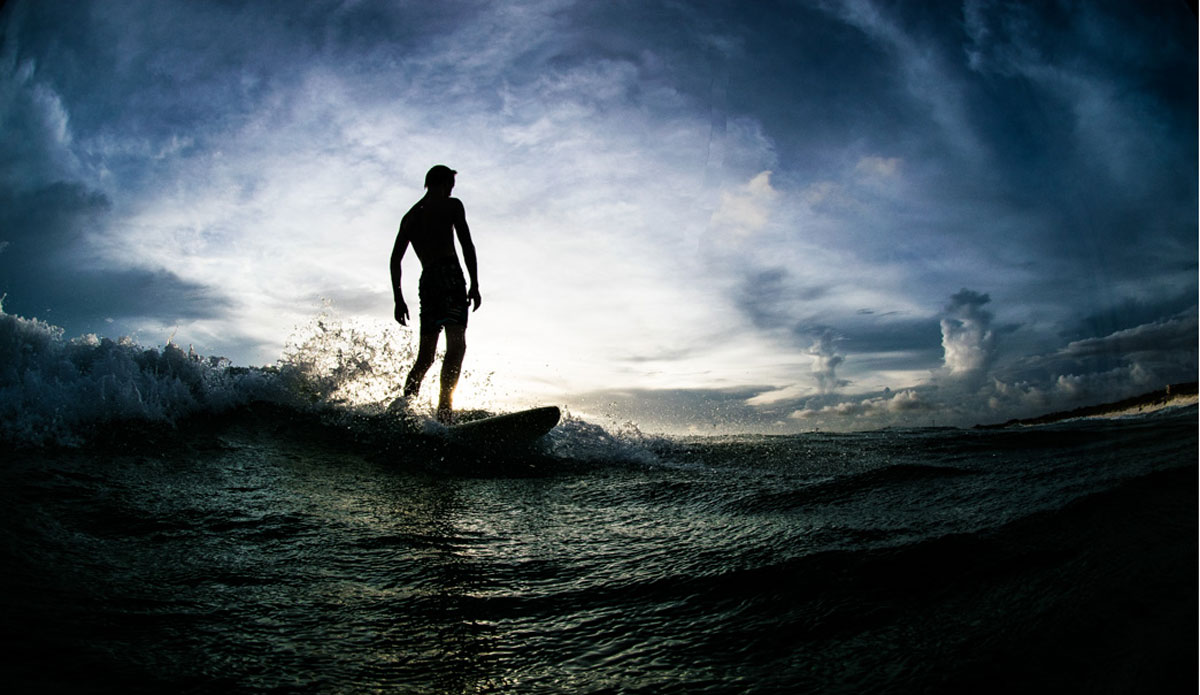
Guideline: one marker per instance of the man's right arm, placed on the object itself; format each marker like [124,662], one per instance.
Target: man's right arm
[468,248]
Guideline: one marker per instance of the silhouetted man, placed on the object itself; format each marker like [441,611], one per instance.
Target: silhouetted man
[430,226]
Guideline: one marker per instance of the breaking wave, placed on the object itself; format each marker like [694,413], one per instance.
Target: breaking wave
[57,391]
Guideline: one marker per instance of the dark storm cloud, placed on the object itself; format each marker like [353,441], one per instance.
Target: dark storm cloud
[774,304]
[1077,124]
[46,223]
[1085,117]
[82,300]
[765,297]
[1129,313]
[44,271]
[889,341]
[1114,366]
[48,215]
[1171,335]
[1061,134]
[663,355]
[893,334]
[160,70]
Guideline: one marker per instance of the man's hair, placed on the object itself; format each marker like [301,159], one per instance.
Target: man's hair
[439,175]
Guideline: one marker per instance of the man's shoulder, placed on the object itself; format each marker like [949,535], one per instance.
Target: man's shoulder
[446,208]
[412,211]
[438,204]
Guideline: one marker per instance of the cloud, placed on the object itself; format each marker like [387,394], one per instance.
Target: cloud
[49,221]
[1085,372]
[1107,368]
[926,73]
[49,268]
[52,218]
[967,338]
[1015,399]
[877,410]
[786,394]
[1165,348]
[881,167]
[36,143]
[1174,334]
[825,362]
[745,209]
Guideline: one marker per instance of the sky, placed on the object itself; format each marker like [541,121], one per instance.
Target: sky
[700,217]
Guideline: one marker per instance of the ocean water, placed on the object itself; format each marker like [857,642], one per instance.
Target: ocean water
[175,524]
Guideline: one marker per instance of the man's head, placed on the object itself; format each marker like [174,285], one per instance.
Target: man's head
[439,176]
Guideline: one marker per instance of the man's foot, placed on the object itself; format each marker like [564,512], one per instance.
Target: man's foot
[445,415]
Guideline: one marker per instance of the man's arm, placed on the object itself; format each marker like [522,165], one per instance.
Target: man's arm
[398,250]
[468,249]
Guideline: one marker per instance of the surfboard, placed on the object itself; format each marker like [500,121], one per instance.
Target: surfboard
[509,429]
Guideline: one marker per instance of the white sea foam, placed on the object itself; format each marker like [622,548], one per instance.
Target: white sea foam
[51,388]
[581,440]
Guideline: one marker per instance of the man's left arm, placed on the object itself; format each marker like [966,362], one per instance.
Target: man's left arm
[468,249]
[401,245]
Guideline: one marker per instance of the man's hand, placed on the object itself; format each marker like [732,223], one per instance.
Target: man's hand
[401,311]
[474,297]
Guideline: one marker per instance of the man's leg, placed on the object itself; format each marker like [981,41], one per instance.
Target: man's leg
[425,354]
[456,347]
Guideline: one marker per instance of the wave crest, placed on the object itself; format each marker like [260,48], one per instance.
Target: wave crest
[58,391]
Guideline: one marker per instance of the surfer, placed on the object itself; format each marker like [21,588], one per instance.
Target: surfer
[430,226]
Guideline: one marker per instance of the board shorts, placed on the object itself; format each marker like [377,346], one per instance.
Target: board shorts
[443,293]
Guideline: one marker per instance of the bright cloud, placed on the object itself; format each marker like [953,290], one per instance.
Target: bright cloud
[746,209]
[967,337]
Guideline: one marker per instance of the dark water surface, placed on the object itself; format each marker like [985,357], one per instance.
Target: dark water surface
[269,551]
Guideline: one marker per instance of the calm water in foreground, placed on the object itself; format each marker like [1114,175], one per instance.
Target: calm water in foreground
[267,550]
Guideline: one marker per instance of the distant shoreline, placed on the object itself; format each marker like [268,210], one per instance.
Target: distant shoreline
[1173,395]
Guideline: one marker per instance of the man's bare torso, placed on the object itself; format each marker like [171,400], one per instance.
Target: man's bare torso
[429,227]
